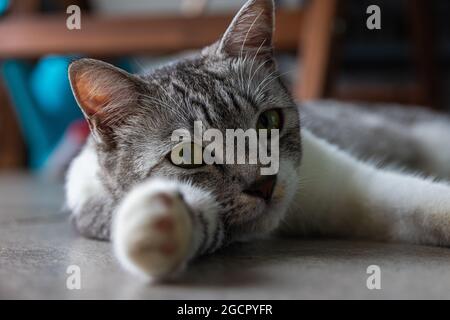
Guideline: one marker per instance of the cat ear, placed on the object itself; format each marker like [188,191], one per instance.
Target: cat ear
[104,94]
[251,31]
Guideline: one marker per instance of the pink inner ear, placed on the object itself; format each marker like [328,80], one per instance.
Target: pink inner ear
[251,30]
[91,102]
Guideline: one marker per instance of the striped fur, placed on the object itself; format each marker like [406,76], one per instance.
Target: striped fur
[123,188]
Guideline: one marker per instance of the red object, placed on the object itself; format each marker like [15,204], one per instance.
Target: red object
[79,130]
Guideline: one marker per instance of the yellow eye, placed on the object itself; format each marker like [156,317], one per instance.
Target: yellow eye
[270,119]
[187,155]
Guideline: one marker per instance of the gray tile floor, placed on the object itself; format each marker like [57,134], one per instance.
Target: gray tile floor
[37,244]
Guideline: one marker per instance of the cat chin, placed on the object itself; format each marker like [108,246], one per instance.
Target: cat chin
[269,219]
[264,217]
[260,227]
[284,192]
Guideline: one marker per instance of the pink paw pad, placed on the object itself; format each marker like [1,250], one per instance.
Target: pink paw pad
[164,224]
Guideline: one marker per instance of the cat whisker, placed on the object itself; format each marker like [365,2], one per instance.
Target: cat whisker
[254,74]
[243,60]
[175,108]
[169,96]
[269,77]
[250,75]
[248,32]
[159,101]
[259,90]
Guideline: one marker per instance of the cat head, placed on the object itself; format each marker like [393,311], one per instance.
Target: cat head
[232,84]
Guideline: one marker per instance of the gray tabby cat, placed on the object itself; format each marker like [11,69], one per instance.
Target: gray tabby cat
[123,186]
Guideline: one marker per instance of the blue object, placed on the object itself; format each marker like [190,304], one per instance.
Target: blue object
[41,130]
[43,102]
[50,88]
[4,5]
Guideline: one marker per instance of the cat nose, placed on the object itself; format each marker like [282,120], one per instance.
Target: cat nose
[262,188]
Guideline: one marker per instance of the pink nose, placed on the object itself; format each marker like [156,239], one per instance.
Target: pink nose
[262,188]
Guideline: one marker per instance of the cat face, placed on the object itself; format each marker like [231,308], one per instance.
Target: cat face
[232,84]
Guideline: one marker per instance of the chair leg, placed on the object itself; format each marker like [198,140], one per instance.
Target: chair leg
[12,150]
[423,44]
[316,47]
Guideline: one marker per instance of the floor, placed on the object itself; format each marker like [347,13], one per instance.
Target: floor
[37,245]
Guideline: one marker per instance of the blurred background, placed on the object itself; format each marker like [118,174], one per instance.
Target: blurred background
[323,47]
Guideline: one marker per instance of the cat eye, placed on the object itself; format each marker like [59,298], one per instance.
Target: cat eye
[187,155]
[270,119]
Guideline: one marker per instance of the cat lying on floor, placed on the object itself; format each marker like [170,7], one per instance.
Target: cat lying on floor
[159,215]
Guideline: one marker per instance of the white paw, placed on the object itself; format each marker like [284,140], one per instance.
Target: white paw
[152,231]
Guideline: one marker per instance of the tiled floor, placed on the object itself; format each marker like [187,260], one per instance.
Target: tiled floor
[37,245]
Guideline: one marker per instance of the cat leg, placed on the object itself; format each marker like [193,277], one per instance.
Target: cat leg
[90,204]
[341,196]
[433,139]
[161,225]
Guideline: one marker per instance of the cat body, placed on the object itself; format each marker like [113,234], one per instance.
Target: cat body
[123,186]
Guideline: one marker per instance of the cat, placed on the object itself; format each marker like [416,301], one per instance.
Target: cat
[159,216]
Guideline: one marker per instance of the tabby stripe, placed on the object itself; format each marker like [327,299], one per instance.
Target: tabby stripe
[179,89]
[218,237]
[214,75]
[194,220]
[204,111]
[204,226]
[234,101]
[204,108]
[250,101]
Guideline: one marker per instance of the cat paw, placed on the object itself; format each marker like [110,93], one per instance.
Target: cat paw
[152,232]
